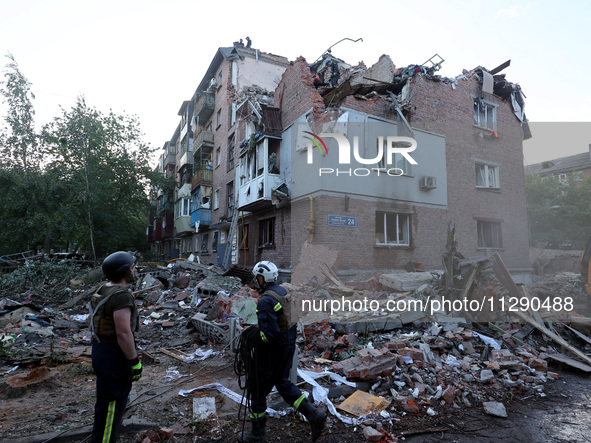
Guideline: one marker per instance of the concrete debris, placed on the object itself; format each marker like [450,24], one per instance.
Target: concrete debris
[406,281]
[203,408]
[403,361]
[495,408]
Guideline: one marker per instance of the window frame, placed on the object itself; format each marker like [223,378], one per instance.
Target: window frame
[267,233]
[489,125]
[486,175]
[204,242]
[405,239]
[215,240]
[231,152]
[494,237]
[216,199]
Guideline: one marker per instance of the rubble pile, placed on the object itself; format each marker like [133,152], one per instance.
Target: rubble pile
[397,363]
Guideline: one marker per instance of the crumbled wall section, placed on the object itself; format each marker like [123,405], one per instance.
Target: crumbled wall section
[296,93]
[382,70]
[439,108]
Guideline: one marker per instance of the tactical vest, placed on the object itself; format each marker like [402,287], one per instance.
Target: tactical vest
[286,311]
[101,326]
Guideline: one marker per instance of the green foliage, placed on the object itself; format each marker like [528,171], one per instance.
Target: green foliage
[107,174]
[39,273]
[559,212]
[89,192]
[19,143]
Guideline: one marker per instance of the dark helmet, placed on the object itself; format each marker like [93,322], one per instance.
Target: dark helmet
[117,265]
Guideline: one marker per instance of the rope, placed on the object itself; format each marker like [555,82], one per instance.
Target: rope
[246,366]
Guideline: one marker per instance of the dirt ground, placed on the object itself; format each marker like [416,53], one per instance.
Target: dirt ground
[64,404]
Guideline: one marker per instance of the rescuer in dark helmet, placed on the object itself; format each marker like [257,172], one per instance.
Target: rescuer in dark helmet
[113,321]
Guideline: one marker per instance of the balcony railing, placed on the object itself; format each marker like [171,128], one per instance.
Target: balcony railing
[205,106]
[204,138]
[203,216]
[202,177]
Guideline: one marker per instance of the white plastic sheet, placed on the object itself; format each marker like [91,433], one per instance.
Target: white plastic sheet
[321,394]
[488,340]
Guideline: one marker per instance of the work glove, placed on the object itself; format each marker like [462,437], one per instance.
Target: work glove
[136,369]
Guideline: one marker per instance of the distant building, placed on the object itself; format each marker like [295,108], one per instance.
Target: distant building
[572,168]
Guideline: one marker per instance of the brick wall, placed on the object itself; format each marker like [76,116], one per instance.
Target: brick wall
[280,252]
[439,108]
[357,245]
[296,93]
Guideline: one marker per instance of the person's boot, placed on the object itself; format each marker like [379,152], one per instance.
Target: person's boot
[257,435]
[316,418]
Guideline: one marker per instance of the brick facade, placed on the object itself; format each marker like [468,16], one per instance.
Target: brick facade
[438,108]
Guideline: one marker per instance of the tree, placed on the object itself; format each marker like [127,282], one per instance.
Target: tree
[104,163]
[88,193]
[19,143]
[559,212]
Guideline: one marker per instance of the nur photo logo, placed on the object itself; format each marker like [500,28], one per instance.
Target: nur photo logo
[390,150]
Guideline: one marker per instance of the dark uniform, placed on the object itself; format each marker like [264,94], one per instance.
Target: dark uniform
[112,368]
[274,356]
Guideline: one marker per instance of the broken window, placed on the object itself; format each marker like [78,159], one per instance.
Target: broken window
[231,146]
[487,176]
[267,232]
[232,114]
[274,146]
[219,118]
[489,234]
[243,170]
[260,162]
[485,114]
[204,241]
[230,194]
[220,77]
[398,160]
[392,229]
[216,199]
[214,242]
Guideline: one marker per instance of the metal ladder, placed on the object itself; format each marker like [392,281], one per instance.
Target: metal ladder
[226,263]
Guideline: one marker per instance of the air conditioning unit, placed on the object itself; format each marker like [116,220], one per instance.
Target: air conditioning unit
[427,183]
[212,83]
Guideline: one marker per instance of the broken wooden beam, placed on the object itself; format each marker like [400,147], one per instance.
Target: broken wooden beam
[506,280]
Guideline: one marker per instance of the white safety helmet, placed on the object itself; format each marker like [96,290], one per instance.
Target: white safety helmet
[267,269]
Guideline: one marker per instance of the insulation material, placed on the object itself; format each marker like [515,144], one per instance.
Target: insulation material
[361,403]
[487,82]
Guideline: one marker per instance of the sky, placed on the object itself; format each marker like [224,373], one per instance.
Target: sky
[146,57]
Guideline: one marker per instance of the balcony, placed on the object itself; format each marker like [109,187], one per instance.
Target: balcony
[186,159]
[203,216]
[182,225]
[169,158]
[202,177]
[203,139]
[255,195]
[205,106]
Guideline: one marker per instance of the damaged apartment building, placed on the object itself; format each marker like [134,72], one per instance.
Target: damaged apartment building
[307,153]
